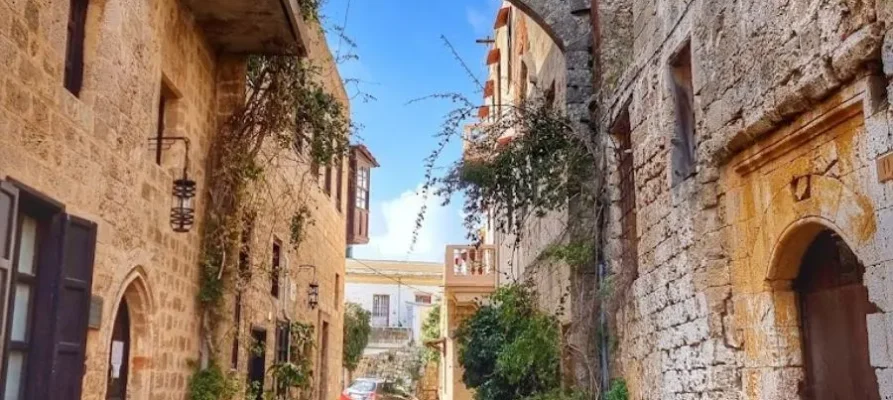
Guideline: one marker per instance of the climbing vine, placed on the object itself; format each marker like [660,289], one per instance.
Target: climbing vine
[310,9]
[212,384]
[523,163]
[286,110]
[293,378]
[431,331]
[288,118]
[515,168]
[300,220]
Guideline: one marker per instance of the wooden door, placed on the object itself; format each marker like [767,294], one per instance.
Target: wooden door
[324,362]
[119,355]
[257,362]
[834,305]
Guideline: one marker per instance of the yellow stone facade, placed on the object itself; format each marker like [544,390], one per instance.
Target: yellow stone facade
[810,175]
[91,154]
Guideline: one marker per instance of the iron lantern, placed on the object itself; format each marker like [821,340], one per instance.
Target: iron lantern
[313,289]
[313,296]
[182,208]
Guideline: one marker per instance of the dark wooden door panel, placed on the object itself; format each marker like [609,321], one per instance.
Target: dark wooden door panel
[257,361]
[72,300]
[837,351]
[118,374]
[834,305]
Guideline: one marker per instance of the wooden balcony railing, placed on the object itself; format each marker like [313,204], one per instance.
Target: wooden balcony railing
[470,266]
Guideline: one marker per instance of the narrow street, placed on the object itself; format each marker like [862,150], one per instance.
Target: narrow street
[446,200]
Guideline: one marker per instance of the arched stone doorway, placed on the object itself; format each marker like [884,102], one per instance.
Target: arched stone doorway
[130,341]
[119,359]
[833,305]
[780,201]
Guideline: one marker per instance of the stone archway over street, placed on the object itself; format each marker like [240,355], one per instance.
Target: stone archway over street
[568,22]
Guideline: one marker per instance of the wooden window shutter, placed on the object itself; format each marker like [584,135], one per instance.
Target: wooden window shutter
[9,200]
[328,178]
[276,270]
[74,52]
[683,142]
[72,300]
[339,198]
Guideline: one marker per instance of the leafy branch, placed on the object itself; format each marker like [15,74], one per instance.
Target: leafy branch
[523,162]
[287,119]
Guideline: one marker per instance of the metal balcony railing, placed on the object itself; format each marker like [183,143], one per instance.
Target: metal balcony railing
[470,266]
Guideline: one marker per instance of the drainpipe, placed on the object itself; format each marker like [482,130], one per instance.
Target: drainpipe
[399,301]
[603,349]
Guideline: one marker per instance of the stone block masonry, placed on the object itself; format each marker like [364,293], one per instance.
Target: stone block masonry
[789,120]
[91,154]
[704,320]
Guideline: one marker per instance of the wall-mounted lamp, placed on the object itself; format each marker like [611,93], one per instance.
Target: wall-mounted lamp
[313,295]
[313,290]
[182,206]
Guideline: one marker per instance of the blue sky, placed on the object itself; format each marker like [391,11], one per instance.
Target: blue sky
[401,58]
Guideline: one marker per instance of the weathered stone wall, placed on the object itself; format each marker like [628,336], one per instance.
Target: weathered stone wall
[403,367]
[427,388]
[552,39]
[451,317]
[776,195]
[546,70]
[91,153]
[287,185]
[682,330]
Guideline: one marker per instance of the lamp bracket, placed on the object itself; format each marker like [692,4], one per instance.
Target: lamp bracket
[157,144]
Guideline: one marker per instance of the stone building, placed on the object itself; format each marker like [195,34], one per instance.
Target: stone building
[749,177]
[524,63]
[399,295]
[100,292]
[469,276]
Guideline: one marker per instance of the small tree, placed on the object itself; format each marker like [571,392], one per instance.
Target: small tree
[510,349]
[357,327]
[431,331]
[523,161]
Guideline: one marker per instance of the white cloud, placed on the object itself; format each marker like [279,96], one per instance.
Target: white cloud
[481,18]
[399,216]
[477,20]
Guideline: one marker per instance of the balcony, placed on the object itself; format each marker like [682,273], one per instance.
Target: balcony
[484,139]
[251,26]
[472,268]
[470,277]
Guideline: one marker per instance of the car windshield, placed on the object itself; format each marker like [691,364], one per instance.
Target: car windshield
[362,386]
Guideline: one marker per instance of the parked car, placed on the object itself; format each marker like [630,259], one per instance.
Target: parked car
[371,389]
